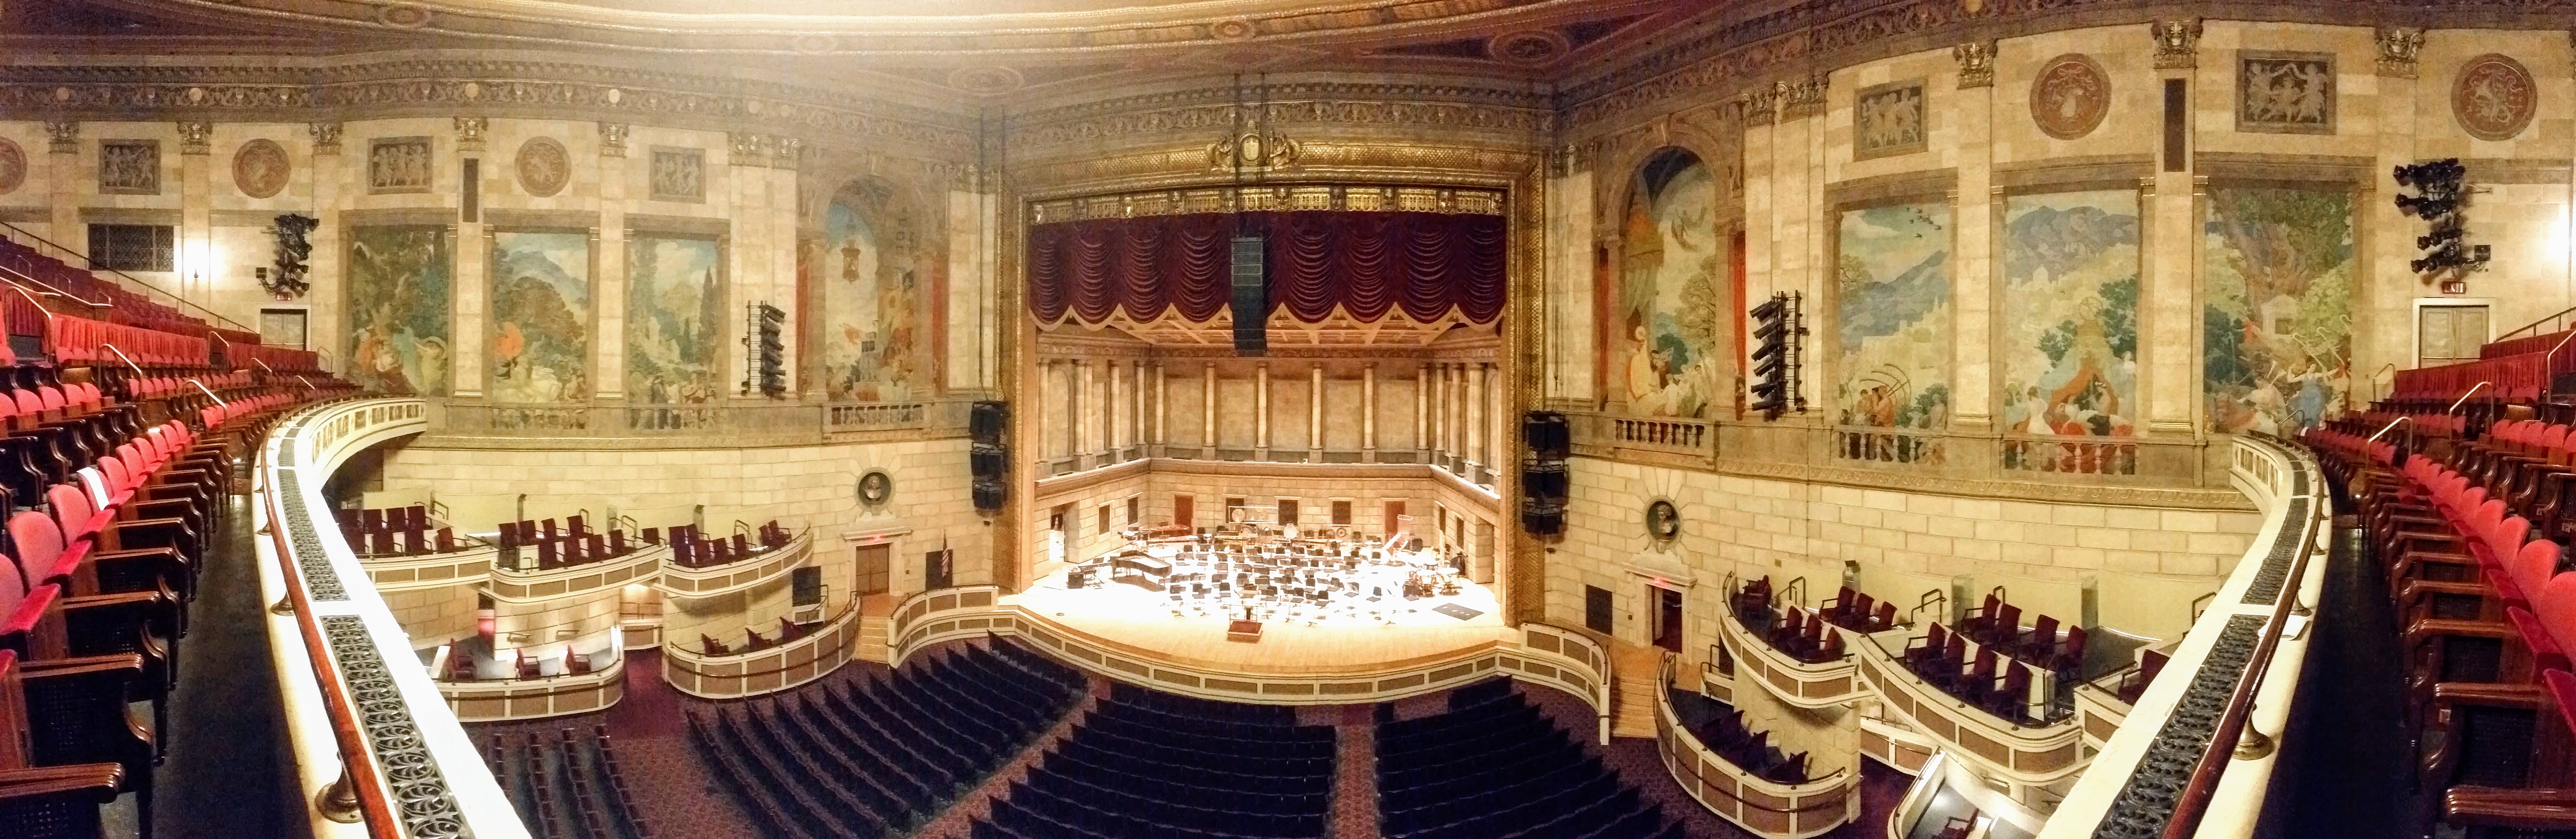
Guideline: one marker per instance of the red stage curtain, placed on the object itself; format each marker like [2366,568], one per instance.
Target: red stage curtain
[1365,263]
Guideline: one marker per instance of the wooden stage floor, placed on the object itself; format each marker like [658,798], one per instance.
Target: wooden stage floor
[1408,631]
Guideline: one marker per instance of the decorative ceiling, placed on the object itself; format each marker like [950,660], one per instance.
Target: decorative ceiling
[981,50]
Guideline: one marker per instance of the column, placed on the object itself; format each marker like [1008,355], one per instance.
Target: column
[2167,210]
[322,329]
[1112,441]
[610,289]
[469,344]
[1471,418]
[196,213]
[62,165]
[1261,412]
[1042,400]
[1423,413]
[1081,387]
[1440,416]
[1207,412]
[1136,430]
[1162,409]
[1368,413]
[1973,283]
[1315,413]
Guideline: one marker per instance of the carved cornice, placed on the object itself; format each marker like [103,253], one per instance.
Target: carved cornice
[469,132]
[62,136]
[1319,161]
[495,87]
[193,136]
[1803,98]
[1216,111]
[1976,63]
[326,137]
[2177,43]
[612,139]
[2398,46]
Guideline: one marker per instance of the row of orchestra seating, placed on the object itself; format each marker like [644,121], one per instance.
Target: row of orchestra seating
[880,756]
[566,786]
[1493,767]
[114,504]
[1146,765]
[2460,528]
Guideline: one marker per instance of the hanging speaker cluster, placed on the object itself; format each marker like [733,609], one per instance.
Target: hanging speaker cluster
[1545,482]
[991,459]
[1251,298]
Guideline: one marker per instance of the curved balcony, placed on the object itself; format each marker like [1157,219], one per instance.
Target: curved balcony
[2026,754]
[497,700]
[456,568]
[515,586]
[1895,744]
[1799,683]
[767,670]
[1536,653]
[758,569]
[1761,806]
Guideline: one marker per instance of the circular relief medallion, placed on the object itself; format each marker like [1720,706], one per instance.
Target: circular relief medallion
[13,167]
[2494,97]
[1663,520]
[1529,48]
[875,488]
[260,168]
[2069,96]
[544,167]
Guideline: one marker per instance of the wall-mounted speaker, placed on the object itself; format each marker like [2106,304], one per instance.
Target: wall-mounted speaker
[986,419]
[1545,482]
[990,460]
[989,494]
[1547,434]
[1251,298]
[1542,520]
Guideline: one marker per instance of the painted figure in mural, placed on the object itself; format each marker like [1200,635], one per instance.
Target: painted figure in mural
[872,316]
[674,319]
[2277,316]
[398,297]
[541,317]
[1668,295]
[2069,355]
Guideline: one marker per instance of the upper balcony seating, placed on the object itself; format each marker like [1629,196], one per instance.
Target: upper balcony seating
[881,757]
[690,547]
[2520,377]
[566,785]
[1492,767]
[402,531]
[2467,533]
[540,546]
[1997,675]
[1795,631]
[1726,732]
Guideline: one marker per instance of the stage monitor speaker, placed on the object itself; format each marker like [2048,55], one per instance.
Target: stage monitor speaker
[1547,435]
[986,420]
[1251,298]
[990,460]
[1545,482]
[1542,520]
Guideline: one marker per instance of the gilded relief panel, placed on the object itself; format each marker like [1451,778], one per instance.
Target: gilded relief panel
[399,288]
[2278,283]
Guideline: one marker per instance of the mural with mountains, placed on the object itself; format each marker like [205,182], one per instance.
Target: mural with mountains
[1892,316]
[2070,335]
[540,317]
[2276,318]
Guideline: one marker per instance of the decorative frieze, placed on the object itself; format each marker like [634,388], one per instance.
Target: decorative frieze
[1976,63]
[2398,46]
[1446,107]
[1802,98]
[1759,106]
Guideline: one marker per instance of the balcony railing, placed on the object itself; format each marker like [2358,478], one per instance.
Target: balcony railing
[739,423]
[2160,460]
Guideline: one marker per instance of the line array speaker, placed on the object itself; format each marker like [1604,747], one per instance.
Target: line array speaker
[1251,298]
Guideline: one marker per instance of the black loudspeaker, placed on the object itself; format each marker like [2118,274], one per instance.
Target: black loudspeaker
[1541,520]
[989,494]
[986,420]
[1544,482]
[1251,298]
[991,460]
[1547,434]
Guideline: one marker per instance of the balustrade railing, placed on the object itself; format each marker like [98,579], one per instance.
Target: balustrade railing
[2009,454]
[747,422]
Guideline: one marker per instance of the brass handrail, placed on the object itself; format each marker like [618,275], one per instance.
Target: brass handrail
[2544,319]
[2409,420]
[2464,398]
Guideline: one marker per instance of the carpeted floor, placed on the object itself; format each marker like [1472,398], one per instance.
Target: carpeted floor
[227,774]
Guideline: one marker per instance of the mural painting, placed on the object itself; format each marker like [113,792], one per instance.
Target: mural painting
[2070,337]
[2277,322]
[674,320]
[398,296]
[1892,329]
[1670,358]
[540,317]
[872,321]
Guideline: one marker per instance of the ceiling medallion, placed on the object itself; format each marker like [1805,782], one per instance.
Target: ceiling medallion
[1233,29]
[1530,48]
[987,80]
[1255,150]
[402,16]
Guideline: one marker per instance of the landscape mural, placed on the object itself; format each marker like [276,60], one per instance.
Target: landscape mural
[870,341]
[1670,358]
[540,317]
[399,287]
[2277,322]
[2070,329]
[674,320]
[1892,326]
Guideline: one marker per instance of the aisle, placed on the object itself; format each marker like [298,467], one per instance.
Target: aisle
[2351,730]
[227,774]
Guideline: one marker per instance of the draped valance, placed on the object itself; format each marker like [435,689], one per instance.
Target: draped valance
[1365,263]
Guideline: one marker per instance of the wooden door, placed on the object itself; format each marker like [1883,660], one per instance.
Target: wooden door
[876,569]
[1185,511]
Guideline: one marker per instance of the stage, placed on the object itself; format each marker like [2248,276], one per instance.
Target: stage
[1316,641]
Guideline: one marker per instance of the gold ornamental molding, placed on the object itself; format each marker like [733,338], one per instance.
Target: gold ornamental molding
[1373,106]
[1750,49]
[486,88]
[1318,161]
[1270,198]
